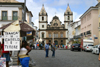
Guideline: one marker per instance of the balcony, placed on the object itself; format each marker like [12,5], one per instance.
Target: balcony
[9,18]
[88,32]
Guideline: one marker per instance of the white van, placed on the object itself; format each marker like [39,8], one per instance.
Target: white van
[86,44]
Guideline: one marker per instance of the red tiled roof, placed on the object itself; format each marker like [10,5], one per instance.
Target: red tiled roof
[5,26]
[26,27]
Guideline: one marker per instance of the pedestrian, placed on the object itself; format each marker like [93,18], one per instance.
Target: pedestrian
[23,54]
[41,46]
[53,49]
[5,54]
[46,48]
[37,45]
[99,54]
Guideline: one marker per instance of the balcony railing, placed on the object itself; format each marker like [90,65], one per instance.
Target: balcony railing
[6,18]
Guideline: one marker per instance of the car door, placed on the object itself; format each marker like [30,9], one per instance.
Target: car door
[93,49]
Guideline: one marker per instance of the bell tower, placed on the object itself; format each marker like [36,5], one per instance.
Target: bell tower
[68,18]
[43,21]
[43,18]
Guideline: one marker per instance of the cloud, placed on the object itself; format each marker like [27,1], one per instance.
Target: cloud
[76,16]
[52,6]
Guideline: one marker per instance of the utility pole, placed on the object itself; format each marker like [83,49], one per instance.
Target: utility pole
[24,16]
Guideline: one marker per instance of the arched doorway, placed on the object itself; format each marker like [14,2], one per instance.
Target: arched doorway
[56,42]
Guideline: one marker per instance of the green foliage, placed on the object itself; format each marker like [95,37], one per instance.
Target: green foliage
[78,42]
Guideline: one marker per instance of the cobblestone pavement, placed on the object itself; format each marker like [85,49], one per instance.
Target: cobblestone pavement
[65,58]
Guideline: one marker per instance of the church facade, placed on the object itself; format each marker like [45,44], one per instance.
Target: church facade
[55,31]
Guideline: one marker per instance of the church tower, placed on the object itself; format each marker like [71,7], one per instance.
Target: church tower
[98,1]
[68,18]
[43,18]
[43,21]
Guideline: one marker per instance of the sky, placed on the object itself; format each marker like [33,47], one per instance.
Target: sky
[78,7]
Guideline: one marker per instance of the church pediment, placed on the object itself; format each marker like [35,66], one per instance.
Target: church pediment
[55,23]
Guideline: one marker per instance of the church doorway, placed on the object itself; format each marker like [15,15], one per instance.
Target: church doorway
[56,42]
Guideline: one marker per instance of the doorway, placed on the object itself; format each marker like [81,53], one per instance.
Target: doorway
[56,42]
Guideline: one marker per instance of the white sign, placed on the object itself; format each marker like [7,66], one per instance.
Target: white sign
[11,41]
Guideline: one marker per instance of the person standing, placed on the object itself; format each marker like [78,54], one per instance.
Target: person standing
[53,49]
[41,46]
[23,54]
[46,48]
[5,54]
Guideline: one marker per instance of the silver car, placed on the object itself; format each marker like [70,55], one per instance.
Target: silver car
[95,49]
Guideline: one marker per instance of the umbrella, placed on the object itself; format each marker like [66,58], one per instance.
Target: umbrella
[13,27]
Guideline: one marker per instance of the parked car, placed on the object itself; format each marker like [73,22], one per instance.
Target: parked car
[75,47]
[88,47]
[95,49]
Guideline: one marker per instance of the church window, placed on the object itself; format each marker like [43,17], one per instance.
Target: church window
[55,35]
[49,35]
[61,34]
[61,40]
[68,13]
[42,18]
[42,26]
[68,17]
[55,24]
[42,35]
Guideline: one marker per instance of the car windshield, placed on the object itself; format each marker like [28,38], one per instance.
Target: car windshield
[90,45]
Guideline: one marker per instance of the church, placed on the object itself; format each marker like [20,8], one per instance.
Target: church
[55,31]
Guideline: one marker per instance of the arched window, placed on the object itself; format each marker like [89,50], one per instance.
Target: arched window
[42,35]
[68,17]
[56,34]
[61,34]
[42,18]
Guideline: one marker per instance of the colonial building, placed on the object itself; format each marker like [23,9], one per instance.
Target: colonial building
[55,31]
[89,25]
[12,10]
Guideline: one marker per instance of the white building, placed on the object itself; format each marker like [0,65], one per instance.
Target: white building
[11,10]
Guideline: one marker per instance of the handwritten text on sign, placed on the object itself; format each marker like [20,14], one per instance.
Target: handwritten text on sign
[11,41]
